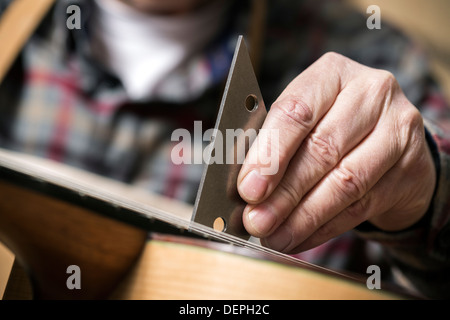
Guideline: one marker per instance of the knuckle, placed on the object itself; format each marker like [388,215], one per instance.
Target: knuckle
[357,210]
[408,125]
[310,219]
[292,194]
[326,231]
[383,85]
[386,80]
[295,111]
[349,184]
[323,151]
[412,119]
[332,57]
[410,128]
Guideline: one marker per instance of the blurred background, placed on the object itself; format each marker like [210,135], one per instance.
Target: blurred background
[428,22]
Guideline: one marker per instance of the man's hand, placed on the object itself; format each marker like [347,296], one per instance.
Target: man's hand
[351,148]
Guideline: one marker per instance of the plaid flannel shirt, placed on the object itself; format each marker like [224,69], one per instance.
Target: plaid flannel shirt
[60,103]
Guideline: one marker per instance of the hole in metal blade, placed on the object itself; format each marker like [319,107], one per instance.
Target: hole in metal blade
[251,102]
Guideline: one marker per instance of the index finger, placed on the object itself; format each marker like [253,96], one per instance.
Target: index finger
[293,115]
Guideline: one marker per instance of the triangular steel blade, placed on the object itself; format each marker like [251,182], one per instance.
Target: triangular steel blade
[242,110]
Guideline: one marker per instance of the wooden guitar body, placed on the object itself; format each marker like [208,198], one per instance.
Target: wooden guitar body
[48,235]
[124,255]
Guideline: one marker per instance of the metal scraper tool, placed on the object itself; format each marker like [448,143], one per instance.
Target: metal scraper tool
[242,111]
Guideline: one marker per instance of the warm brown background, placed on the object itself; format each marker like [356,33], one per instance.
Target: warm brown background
[427,21]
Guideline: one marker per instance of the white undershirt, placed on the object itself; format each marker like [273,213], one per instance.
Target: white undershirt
[143,49]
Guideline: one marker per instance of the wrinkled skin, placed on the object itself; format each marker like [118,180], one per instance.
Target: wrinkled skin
[352,148]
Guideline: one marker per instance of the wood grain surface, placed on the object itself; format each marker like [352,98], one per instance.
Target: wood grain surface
[48,235]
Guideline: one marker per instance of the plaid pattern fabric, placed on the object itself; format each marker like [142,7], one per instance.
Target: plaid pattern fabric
[59,103]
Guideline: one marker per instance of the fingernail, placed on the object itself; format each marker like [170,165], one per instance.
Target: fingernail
[279,240]
[253,187]
[262,220]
